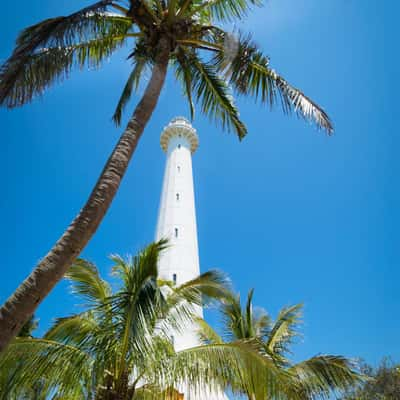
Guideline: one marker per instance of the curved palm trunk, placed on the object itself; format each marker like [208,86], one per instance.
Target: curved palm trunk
[24,301]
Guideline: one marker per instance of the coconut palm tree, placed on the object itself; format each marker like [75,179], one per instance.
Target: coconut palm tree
[119,347]
[209,63]
[318,377]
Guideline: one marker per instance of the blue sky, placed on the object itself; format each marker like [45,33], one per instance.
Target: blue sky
[297,215]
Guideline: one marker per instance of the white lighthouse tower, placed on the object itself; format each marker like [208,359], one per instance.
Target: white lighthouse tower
[177,215]
[177,222]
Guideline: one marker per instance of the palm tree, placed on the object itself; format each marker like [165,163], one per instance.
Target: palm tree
[119,346]
[209,63]
[315,378]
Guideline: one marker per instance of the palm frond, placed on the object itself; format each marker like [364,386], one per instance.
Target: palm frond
[224,10]
[209,286]
[139,303]
[283,331]
[206,333]
[243,323]
[65,30]
[261,323]
[233,319]
[59,367]
[249,314]
[87,283]
[131,84]
[237,366]
[184,303]
[47,51]
[320,376]
[213,93]
[182,73]
[75,330]
[133,272]
[249,72]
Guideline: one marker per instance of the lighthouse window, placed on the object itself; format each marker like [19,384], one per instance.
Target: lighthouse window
[179,146]
[179,168]
[172,340]
[177,196]
[174,278]
[176,232]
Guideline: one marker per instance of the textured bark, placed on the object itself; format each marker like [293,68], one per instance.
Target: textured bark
[22,304]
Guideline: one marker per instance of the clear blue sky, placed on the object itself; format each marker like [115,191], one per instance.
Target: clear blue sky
[297,215]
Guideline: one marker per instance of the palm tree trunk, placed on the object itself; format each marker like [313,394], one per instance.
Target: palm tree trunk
[24,301]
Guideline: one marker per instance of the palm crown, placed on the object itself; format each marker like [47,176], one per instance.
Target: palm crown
[209,63]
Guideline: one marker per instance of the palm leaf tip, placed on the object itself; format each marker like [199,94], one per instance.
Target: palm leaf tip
[248,71]
[303,105]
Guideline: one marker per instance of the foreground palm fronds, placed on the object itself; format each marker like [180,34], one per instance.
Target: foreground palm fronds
[316,378]
[119,346]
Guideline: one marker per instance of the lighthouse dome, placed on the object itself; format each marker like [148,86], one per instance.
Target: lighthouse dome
[179,127]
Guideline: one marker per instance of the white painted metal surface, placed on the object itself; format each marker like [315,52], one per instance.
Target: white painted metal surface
[177,222]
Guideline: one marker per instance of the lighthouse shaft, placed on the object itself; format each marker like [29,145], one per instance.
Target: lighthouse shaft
[177,215]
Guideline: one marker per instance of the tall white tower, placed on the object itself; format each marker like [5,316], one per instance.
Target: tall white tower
[177,222]
[177,215]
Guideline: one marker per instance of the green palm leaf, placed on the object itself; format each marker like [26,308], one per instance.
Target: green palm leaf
[283,331]
[131,84]
[182,73]
[87,283]
[61,368]
[249,73]
[76,330]
[214,95]
[233,318]
[181,308]
[65,30]
[321,375]
[46,52]
[237,365]
[206,287]
[223,10]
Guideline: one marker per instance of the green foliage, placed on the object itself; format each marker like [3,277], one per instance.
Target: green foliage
[87,283]
[249,72]
[224,10]
[211,64]
[383,383]
[119,345]
[212,92]
[284,331]
[46,52]
[318,377]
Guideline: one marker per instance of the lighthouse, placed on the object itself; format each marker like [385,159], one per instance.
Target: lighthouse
[177,214]
[177,222]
